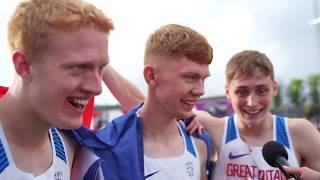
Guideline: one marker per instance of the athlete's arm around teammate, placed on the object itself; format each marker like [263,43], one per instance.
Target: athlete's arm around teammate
[127,94]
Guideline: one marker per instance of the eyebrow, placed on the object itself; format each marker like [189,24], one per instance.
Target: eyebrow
[262,85]
[257,86]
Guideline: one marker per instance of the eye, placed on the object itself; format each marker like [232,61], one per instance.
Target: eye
[79,68]
[191,77]
[242,92]
[262,91]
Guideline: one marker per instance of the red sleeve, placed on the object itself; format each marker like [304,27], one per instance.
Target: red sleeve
[3,90]
[88,113]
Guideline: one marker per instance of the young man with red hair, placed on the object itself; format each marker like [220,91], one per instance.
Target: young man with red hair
[59,51]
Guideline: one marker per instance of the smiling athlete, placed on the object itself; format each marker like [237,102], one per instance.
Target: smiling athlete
[148,142]
[59,49]
[239,138]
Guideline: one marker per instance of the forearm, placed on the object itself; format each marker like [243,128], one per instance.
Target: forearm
[127,94]
[204,118]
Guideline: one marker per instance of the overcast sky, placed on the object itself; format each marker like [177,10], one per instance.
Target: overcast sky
[281,29]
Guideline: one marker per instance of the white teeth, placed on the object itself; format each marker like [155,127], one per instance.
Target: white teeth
[252,112]
[79,103]
[82,102]
[189,102]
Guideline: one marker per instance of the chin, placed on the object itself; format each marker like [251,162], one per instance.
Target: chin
[69,126]
[70,123]
[185,115]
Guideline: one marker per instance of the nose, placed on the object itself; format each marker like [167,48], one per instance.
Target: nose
[92,84]
[251,100]
[198,90]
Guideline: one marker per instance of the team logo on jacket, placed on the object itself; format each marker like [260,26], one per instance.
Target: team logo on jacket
[58,175]
[190,168]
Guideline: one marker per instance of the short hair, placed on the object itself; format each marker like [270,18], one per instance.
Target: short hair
[33,20]
[175,40]
[244,64]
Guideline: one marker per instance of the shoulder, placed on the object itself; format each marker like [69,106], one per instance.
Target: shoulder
[216,129]
[217,125]
[306,140]
[302,130]
[300,127]
[200,143]
[202,148]
[218,121]
[71,146]
[214,125]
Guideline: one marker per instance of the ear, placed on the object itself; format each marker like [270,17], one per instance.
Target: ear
[21,65]
[149,75]
[227,91]
[275,88]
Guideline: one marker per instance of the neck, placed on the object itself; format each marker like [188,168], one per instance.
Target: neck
[161,136]
[20,123]
[256,125]
[258,133]
[157,124]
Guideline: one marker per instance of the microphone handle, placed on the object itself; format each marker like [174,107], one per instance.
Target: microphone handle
[282,161]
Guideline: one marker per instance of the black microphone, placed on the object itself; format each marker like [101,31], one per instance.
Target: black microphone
[276,156]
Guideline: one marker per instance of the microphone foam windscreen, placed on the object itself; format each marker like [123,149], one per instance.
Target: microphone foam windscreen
[272,150]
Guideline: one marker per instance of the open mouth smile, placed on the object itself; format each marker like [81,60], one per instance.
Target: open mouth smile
[78,103]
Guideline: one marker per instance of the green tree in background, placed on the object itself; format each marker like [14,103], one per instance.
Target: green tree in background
[296,92]
[312,108]
[304,96]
